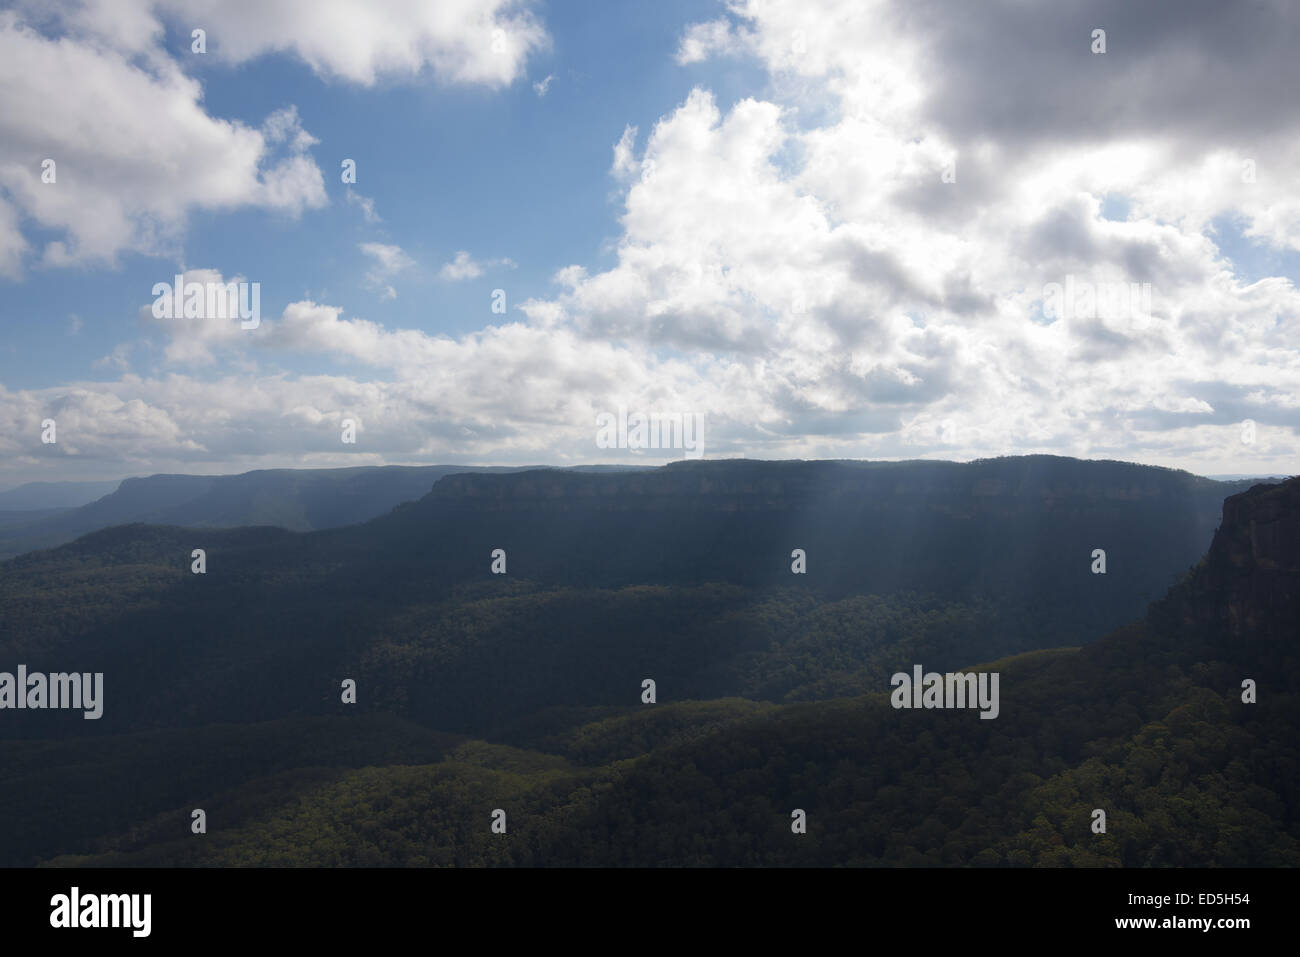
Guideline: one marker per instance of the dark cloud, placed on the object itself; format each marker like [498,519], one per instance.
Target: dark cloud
[1016,72]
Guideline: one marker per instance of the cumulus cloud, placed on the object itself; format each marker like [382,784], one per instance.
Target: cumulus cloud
[89,85]
[133,151]
[885,269]
[483,42]
[855,262]
[425,398]
[196,340]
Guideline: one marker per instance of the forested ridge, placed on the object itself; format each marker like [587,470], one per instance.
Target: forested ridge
[521,692]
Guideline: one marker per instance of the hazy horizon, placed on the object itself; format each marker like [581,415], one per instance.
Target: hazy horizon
[1220,477]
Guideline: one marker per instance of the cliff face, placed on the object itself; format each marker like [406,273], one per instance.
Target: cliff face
[1020,532]
[999,485]
[1249,584]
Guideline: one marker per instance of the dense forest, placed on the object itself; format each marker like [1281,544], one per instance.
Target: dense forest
[523,691]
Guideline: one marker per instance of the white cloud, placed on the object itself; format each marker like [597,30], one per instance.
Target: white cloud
[366,204]
[192,341]
[89,84]
[864,302]
[134,151]
[806,278]
[542,86]
[284,126]
[702,40]
[464,266]
[118,359]
[387,262]
[483,42]
[625,164]
[425,398]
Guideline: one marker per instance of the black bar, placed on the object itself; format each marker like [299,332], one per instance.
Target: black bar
[332,907]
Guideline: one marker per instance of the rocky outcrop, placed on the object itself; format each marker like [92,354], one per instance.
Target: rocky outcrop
[1249,584]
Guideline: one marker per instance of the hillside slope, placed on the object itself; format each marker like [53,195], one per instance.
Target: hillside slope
[1148,725]
[297,499]
[682,572]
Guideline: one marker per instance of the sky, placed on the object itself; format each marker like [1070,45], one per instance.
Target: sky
[826,228]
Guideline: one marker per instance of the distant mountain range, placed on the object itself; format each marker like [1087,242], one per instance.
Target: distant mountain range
[1005,547]
[49,495]
[32,517]
[524,690]
[45,514]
